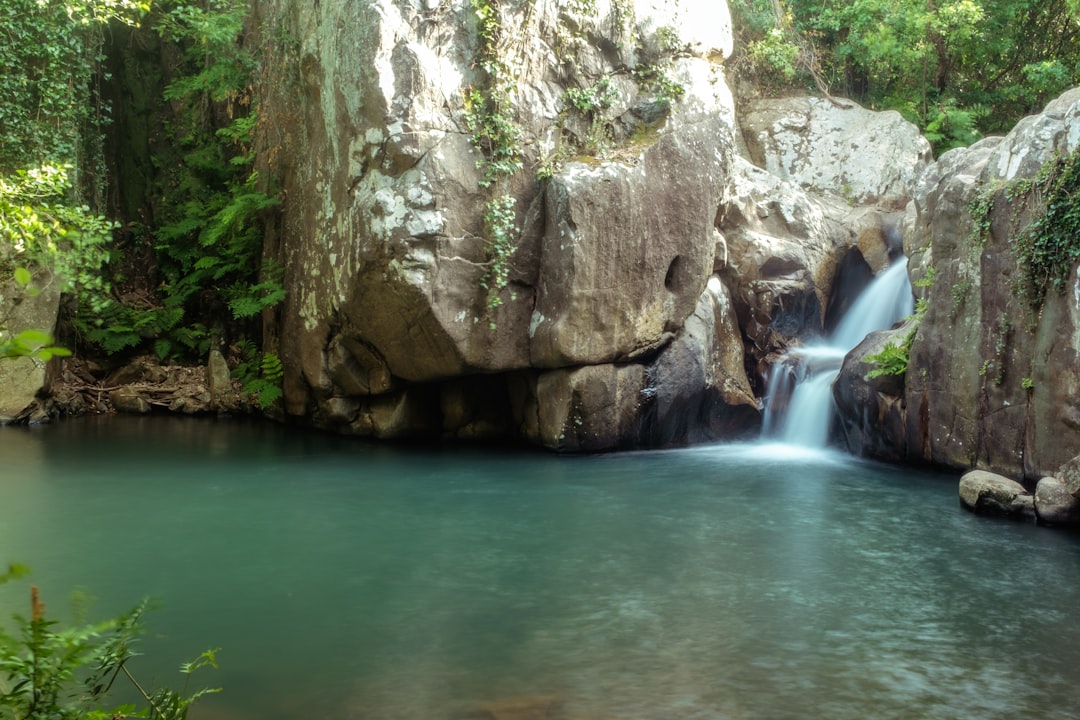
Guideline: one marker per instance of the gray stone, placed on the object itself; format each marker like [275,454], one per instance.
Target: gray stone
[990,382]
[838,148]
[698,388]
[383,235]
[21,379]
[128,400]
[219,382]
[871,410]
[1054,504]
[991,494]
[1069,474]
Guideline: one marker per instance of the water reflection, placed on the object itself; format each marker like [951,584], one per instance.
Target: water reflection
[347,580]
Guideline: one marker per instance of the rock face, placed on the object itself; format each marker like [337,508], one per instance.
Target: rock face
[836,146]
[552,239]
[991,382]
[394,324]
[816,199]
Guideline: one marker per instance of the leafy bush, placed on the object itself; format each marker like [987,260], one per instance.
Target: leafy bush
[39,226]
[47,672]
[32,343]
[957,68]
[209,278]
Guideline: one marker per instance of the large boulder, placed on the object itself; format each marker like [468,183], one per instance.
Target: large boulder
[394,307]
[695,390]
[836,147]
[871,411]
[780,249]
[992,494]
[1054,504]
[1069,473]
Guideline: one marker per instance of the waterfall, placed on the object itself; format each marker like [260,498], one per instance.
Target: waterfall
[798,400]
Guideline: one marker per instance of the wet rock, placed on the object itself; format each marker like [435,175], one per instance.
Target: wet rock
[871,410]
[1054,504]
[128,400]
[991,494]
[698,389]
[587,409]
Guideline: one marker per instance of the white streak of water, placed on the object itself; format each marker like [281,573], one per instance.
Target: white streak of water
[799,402]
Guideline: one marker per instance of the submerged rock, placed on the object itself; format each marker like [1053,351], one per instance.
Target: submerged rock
[528,707]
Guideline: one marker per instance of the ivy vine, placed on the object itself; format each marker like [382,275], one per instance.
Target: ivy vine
[497,136]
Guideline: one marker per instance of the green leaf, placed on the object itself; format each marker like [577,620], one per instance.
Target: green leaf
[22,276]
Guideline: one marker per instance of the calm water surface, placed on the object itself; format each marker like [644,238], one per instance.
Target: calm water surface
[350,581]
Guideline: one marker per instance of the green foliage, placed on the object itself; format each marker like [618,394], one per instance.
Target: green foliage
[495,133]
[957,68]
[592,100]
[947,125]
[1049,248]
[488,111]
[54,673]
[39,226]
[14,572]
[48,59]
[501,232]
[260,374]
[891,360]
[894,357]
[208,244]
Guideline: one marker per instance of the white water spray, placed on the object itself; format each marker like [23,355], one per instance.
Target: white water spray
[799,401]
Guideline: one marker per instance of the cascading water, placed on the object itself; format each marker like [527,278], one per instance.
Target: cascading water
[798,402]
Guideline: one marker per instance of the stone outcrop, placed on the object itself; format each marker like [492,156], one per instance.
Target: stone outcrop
[22,378]
[819,194]
[990,383]
[391,328]
[871,411]
[650,265]
[836,147]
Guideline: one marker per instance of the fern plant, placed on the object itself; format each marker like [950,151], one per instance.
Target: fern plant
[260,374]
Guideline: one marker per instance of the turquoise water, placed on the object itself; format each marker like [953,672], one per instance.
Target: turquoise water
[347,580]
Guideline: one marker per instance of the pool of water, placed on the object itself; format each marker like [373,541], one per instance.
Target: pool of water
[349,580]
